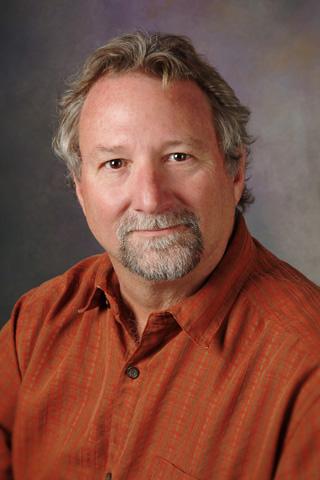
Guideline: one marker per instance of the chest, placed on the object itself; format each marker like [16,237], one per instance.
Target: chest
[94,402]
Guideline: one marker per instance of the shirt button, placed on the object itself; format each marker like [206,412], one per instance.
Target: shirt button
[108,476]
[133,372]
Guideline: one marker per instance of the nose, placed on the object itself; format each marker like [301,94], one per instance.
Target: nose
[150,190]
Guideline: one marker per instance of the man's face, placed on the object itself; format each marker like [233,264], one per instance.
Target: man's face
[153,185]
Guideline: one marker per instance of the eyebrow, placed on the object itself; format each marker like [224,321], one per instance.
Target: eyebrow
[189,141]
[111,149]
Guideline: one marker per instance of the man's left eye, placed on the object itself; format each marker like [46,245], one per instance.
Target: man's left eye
[179,157]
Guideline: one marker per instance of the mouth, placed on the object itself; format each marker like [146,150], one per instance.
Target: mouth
[160,231]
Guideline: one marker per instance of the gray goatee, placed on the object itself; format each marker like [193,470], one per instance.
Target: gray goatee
[165,257]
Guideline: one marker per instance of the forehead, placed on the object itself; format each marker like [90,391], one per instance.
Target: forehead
[136,86]
[123,102]
[118,82]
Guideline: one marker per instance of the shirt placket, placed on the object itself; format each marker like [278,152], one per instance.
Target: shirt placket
[134,373]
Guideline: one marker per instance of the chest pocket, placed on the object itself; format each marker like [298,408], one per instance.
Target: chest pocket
[164,470]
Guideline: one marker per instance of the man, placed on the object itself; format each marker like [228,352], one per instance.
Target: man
[188,351]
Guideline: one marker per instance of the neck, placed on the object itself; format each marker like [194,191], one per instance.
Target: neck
[144,297]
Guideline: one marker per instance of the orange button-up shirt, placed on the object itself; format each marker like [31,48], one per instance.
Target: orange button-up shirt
[223,386]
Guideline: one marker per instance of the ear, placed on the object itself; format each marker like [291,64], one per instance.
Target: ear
[239,177]
[78,189]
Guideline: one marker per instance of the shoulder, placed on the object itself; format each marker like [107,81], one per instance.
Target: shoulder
[74,285]
[53,306]
[285,300]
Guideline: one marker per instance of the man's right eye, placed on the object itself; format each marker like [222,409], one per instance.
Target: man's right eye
[114,164]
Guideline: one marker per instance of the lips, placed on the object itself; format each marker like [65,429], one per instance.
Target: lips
[169,227]
[154,225]
[159,230]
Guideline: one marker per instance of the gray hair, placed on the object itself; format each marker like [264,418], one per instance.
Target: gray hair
[169,57]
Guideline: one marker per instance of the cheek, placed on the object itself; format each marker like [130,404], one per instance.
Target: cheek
[102,220]
[99,209]
[205,195]
[99,200]
[213,202]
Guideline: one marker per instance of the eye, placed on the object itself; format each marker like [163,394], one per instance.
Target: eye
[115,163]
[179,156]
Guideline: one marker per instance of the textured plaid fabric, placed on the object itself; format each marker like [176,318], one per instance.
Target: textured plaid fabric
[223,386]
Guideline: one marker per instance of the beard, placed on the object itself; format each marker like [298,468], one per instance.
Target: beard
[164,257]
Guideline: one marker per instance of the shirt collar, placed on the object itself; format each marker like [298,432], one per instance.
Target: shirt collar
[201,314]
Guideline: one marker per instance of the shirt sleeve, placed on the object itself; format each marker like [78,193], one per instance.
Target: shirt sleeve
[10,379]
[300,456]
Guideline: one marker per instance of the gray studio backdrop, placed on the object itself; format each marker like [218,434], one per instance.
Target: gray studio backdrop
[268,50]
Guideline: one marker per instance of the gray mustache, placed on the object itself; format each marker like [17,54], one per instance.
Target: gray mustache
[134,222]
